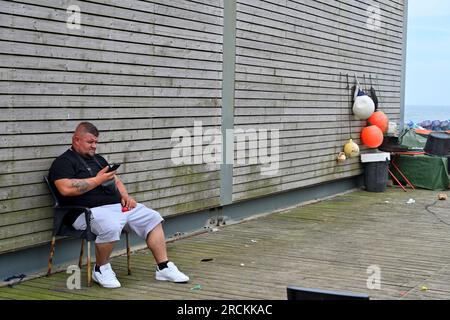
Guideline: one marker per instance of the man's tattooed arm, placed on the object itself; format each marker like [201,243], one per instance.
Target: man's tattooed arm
[82,186]
[76,187]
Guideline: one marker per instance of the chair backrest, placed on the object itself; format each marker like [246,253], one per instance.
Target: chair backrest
[59,227]
[52,191]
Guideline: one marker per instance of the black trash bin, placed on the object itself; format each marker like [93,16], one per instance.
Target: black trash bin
[376,175]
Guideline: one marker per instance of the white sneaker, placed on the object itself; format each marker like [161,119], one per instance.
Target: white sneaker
[171,273]
[106,277]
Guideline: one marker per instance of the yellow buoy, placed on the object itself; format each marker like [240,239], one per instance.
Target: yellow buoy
[351,149]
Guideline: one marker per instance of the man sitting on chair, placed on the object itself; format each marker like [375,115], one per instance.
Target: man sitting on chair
[81,178]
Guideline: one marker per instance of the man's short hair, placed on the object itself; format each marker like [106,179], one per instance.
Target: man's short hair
[87,127]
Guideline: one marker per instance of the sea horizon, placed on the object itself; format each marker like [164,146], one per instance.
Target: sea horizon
[419,113]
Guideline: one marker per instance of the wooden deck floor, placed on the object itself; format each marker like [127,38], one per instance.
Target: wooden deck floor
[326,245]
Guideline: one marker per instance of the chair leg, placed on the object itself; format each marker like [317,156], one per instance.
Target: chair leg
[89,272]
[128,253]
[50,257]
[80,261]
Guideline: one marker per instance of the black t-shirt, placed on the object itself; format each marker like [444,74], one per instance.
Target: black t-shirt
[70,166]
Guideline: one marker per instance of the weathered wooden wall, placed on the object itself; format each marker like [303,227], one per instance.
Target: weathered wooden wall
[140,69]
[292,62]
[136,69]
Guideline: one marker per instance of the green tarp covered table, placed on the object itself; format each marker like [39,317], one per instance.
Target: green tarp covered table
[423,171]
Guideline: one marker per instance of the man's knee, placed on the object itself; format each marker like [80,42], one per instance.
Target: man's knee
[111,231]
[155,230]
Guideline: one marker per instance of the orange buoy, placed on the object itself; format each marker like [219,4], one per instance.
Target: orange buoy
[379,119]
[372,136]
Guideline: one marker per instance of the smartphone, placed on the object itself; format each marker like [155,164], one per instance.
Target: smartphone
[113,167]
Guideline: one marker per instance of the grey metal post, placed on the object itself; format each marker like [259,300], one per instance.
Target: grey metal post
[228,81]
[403,81]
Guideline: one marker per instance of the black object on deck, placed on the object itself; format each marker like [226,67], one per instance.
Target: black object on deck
[298,293]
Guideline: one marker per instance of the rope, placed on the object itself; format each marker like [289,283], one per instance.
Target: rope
[427,207]
[350,105]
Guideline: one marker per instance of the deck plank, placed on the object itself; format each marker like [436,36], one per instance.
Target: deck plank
[326,245]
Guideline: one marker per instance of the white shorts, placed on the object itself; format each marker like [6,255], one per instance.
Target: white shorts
[108,221]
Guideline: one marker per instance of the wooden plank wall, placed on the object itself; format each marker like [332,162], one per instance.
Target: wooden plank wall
[291,60]
[136,69]
[140,69]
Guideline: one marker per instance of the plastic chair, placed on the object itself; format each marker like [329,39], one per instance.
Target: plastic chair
[62,229]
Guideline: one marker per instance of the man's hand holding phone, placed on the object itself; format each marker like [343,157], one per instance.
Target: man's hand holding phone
[113,167]
[107,173]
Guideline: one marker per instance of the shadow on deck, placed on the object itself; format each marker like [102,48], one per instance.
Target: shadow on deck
[327,245]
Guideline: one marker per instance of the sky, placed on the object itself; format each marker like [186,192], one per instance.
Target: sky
[428,53]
